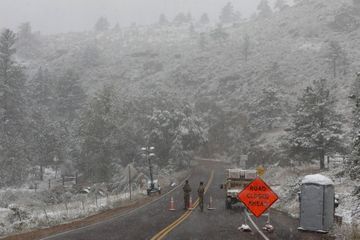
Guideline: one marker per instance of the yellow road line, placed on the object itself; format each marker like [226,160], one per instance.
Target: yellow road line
[160,235]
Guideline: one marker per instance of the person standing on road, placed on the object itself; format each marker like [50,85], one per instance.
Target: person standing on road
[201,192]
[187,191]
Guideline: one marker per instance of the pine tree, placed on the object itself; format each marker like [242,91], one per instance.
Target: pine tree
[204,19]
[228,14]
[100,136]
[354,163]
[316,127]
[219,34]
[13,126]
[336,57]
[281,5]
[101,25]
[42,127]
[267,111]
[202,41]
[70,97]
[264,9]
[180,19]
[163,21]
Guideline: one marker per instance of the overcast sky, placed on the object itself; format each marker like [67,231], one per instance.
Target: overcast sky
[52,16]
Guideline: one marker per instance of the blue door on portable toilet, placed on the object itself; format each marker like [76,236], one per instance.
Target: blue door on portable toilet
[317,203]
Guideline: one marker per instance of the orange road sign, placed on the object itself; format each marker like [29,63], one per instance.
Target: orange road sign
[257,197]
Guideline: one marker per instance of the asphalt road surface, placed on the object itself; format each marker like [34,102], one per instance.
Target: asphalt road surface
[154,221]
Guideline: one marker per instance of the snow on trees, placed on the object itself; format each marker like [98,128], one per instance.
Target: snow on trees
[229,15]
[316,128]
[175,134]
[354,159]
[204,19]
[101,25]
[13,117]
[267,111]
[336,57]
[264,9]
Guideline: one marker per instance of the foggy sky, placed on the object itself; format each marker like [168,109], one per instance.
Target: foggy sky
[53,16]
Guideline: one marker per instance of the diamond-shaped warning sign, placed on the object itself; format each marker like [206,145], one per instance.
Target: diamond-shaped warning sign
[257,197]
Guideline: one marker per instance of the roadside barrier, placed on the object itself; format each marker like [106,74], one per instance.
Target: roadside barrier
[190,204]
[211,205]
[172,204]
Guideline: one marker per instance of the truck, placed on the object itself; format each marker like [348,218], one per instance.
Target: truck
[236,180]
[153,187]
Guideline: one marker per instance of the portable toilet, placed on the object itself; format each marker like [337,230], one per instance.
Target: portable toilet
[317,203]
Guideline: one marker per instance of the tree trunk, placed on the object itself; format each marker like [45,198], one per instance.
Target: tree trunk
[41,172]
[322,159]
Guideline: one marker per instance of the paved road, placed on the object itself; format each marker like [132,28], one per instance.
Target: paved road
[146,222]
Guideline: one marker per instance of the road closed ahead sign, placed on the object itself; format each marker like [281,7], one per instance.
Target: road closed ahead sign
[257,197]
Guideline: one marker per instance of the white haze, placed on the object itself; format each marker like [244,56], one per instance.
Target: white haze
[53,16]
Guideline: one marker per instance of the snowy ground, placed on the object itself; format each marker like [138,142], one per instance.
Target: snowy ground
[286,183]
[22,208]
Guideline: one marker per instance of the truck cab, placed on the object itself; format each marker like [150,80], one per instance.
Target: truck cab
[236,180]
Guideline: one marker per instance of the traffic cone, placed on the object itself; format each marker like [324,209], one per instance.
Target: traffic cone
[190,204]
[172,204]
[210,206]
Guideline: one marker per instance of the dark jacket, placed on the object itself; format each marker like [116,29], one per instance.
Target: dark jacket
[187,189]
[201,191]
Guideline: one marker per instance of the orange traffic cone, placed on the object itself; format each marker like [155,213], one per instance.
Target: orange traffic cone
[190,204]
[172,204]
[210,206]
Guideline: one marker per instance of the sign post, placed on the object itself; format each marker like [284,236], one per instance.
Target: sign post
[260,170]
[257,197]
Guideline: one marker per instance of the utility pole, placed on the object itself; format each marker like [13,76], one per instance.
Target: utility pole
[148,152]
[130,180]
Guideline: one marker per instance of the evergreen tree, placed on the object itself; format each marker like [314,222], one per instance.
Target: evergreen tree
[13,126]
[117,28]
[101,25]
[163,21]
[42,127]
[219,34]
[204,19]
[69,104]
[180,19]
[267,111]
[228,14]
[90,56]
[264,9]
[281,5]
[100,137]
[354,163]
[25,32]
[336,57]
[202,41]
[70,97]
[316,127]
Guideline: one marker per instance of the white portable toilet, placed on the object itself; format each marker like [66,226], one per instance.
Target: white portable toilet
[317,203]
